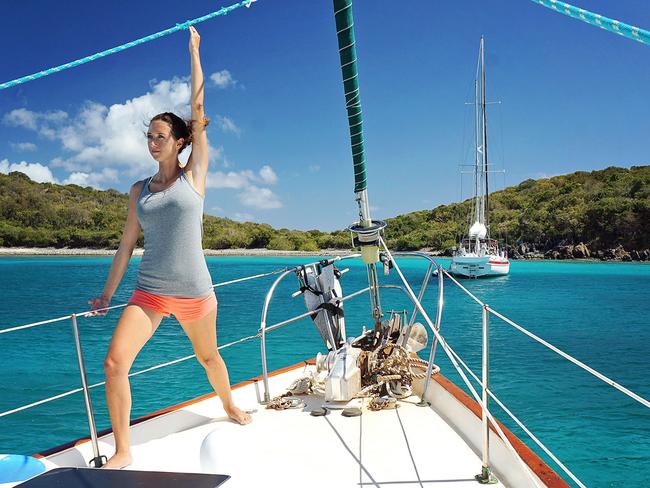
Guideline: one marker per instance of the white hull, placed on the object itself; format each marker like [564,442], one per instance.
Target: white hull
[479,266]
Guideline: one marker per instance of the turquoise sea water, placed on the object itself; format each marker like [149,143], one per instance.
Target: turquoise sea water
[598,312]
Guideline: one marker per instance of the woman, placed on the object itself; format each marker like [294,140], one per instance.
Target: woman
[173,276]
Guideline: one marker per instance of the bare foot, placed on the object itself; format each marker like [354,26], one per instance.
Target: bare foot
[238,415]
[119,460]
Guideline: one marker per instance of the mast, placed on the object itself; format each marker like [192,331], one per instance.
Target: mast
[366,232]
[478,181]
[348,55]
[486,205]
[477,159]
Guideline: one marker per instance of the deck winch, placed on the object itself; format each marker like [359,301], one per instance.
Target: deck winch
[380,362]
[343,380]
[371,366]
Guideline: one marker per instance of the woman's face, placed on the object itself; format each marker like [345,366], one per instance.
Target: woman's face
[161,142]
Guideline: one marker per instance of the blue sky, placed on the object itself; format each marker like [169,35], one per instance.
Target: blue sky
[573,97]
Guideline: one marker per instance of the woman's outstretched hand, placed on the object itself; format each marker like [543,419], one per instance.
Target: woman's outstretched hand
[97,303]
[195,39]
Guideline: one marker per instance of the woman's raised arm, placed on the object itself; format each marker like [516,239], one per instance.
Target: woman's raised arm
[197,165]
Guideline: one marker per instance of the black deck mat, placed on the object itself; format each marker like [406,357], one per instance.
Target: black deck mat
[114,478]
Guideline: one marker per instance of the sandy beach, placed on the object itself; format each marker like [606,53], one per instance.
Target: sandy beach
[52,251]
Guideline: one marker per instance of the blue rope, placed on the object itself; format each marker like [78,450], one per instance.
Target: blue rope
[181,26]
[598,20]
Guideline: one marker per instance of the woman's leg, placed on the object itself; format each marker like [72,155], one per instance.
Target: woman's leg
[203,335]
[136,325]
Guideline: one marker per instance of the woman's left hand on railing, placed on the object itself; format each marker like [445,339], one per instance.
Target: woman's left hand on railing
[98,303]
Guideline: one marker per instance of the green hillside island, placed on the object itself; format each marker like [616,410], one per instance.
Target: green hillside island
[600,214]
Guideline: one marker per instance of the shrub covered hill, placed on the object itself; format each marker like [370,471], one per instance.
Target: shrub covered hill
[49,215]
[602,214]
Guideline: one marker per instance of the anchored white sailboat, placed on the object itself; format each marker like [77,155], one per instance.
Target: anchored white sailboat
[477,254]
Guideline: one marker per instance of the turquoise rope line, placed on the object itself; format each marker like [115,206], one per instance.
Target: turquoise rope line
[598,20]
[93,57]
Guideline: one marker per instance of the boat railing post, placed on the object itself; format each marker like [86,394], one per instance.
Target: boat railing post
[265,374]
[423,288]
[265,308]
[98,460]
[434,343]
[486,476]
[441,303]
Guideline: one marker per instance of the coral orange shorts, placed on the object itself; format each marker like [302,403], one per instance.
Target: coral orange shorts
[184,309]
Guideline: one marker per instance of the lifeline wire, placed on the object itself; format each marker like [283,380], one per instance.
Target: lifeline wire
[86,313]
[519,422]
[566,356]
[174,361]
[93,57]
[611,25]
[445,347]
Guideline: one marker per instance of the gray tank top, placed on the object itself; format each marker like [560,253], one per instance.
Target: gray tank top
[172,220]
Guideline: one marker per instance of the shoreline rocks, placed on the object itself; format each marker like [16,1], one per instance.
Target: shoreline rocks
[581,250]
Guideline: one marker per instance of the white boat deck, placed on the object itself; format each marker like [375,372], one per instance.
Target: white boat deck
[404,447]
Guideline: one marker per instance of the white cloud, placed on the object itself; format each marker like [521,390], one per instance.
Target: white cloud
[241,179]
[227,125]
[35,171]
[262,198]
[48,132]
[232,179]
[101,143]
[54,116]
[250,194]
[43,174]
[99,135]
[92,179]
[223,79]
[314,168]
[21,117]
[23,146]
[268,176]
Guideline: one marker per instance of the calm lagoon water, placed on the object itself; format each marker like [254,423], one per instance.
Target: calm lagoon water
[598,312]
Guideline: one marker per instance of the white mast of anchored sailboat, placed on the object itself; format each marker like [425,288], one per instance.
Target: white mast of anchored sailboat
[485,197]
[479,227]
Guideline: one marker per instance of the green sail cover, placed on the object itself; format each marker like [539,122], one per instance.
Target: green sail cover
[348,54]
